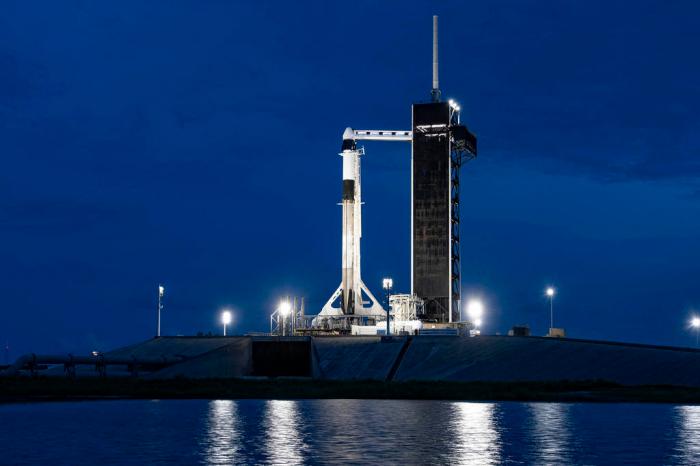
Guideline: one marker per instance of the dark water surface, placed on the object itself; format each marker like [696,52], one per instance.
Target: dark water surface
[189,432]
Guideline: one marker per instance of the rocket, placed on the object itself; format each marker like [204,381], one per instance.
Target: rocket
[352,222]
[351,290]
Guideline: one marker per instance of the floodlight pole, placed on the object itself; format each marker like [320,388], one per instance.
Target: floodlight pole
[551,291]
[551,311]
[388,309]
[388,284]
[161,291]
[226,318]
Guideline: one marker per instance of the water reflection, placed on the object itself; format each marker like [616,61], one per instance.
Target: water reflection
[475,433]
[689,435]
[223,433]
[378,432]
[283,442]
[551,433]
[348,432]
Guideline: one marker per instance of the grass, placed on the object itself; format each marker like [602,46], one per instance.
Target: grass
[22,389]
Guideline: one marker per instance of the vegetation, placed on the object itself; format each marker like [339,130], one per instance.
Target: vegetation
[21,389]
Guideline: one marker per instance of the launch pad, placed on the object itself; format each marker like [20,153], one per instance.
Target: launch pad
[440,144]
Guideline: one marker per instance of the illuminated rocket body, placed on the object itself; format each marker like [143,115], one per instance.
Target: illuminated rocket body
[352,227]
[351,286]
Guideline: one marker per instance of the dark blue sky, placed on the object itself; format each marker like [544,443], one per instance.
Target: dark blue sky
[195,144]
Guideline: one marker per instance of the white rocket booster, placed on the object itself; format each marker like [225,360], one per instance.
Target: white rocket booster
[352,222]
[351,286]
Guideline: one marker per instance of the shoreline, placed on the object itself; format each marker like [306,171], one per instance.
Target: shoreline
[42,389]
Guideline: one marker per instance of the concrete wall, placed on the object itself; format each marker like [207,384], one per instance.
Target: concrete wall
[357,357]
[483,358]
[494,358]
[173,346]
[232,360]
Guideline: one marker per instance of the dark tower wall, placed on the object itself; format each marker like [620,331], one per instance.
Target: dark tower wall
[431,208]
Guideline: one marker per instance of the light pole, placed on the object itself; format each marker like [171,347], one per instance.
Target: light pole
[161,293]
[284,311]
[695,323]
[225,319]
[387,284]
[475,310]
[550,293]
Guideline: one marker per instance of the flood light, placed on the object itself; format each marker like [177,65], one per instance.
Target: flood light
[285,308]
[475,309]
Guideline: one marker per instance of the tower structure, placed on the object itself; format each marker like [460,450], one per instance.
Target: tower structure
[440,146]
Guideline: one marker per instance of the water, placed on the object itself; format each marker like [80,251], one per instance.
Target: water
[222,432]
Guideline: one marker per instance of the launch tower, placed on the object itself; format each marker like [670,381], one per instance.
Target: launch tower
[439,146]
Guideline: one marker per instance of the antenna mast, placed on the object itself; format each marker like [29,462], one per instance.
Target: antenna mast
[436,82]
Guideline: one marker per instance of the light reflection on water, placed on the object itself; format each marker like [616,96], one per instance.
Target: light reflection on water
[475,438]
[551,433]
[689,434]
[283,441]
[221,432]
[223,435]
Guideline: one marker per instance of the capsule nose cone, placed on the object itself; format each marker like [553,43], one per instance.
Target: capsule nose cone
[348,139]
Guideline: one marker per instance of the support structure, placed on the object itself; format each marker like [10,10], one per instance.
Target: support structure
[440,146]
[282,323]
[462,150]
